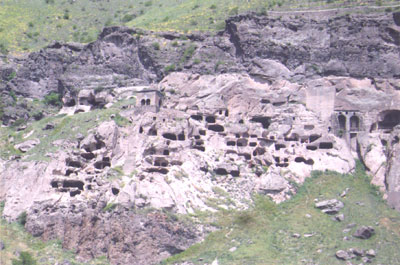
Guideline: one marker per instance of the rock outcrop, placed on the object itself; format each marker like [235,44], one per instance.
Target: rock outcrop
[254,109]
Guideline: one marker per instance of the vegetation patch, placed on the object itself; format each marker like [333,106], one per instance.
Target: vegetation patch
[264,234]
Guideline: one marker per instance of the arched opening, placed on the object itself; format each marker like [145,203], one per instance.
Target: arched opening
[391,118]
[342,122]
[159,103]
[143,102]
[354,123]
[147,102]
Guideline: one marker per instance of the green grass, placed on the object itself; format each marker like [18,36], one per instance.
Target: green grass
[30,25]
[263,234]
[66,128]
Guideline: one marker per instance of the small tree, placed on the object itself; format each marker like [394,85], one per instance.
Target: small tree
[25,258]
[53,99]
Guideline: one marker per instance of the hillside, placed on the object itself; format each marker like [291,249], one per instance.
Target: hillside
[31,25]
[272,141]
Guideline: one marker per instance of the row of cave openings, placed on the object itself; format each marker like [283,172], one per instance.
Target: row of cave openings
[388,120]
[147,102]
[75,187]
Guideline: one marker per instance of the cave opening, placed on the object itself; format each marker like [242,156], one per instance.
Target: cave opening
[197,117]
[170,136]
[210,119]
[342,122]
[265,121]
[216,128]
[391,118]
[354,123]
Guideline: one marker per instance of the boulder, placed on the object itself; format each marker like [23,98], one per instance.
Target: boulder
[27,145]
[330,206]
[343,255]
[364,232]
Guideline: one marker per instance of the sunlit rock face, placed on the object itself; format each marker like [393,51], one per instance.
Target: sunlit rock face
[268,101]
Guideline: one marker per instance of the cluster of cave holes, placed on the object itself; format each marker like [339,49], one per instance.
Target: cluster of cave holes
[67,184]
[160,162]
[303,160]
[280,163]
[161,170]
[223,172]
[174,137]
[105,162]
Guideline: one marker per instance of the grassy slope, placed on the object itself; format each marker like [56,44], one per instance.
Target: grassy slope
[263,235]
[30,25]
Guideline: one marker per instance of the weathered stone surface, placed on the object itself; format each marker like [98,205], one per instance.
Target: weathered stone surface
[330,206]
[364,232]
[27,145]
[343,255]
[93,231]
[292,96]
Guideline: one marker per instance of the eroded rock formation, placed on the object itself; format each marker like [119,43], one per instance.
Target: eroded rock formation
[255,108]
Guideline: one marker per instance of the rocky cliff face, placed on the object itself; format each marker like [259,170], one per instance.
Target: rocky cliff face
[253,109]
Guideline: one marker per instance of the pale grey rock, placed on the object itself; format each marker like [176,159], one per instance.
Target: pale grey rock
[364,232]
[343,255]
[27,145]
[370,253]
[330,206]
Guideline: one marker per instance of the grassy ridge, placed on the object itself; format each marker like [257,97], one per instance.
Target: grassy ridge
[264,234]
[30,25]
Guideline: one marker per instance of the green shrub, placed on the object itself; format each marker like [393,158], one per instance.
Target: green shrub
[188,53]
[25,258]
[221,25]
[99,89]
[109,207]
[217,64]
[2,205]
[11,76]
[120,121]
[175,44]
[3,48]
[234,11]
[128,17]
[22,218]
[213,7]
[156,46]
[18,123]
[13,96]
[148,3]
[169,68]
[53,99]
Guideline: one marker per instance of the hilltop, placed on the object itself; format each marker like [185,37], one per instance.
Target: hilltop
[31,25]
